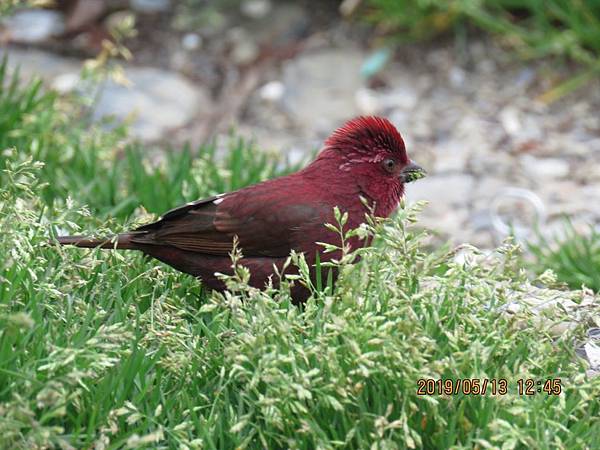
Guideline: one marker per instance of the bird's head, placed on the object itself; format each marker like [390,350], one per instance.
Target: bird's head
[373,153]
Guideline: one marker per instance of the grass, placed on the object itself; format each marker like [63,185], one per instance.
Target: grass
[575,258]
[110,350]
[566,29]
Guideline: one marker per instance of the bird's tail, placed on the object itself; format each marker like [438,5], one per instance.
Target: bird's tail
[120,242]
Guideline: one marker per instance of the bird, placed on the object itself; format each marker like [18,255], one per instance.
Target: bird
[362,168]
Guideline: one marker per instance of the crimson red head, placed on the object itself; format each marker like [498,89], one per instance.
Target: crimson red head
[370,139]
[368,154]
[373,145]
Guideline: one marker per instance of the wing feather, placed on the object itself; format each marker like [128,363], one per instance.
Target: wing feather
[261,216]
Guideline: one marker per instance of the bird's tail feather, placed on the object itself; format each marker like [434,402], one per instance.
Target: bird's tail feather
[120,242]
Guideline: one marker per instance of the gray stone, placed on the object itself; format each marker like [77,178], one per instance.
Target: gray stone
[320,88]
[256,9]
[34,25]
[150,6]
[38,64]
[442,191]
[191,41]
[244,52]
[283,25]
[157,100]
[450,156]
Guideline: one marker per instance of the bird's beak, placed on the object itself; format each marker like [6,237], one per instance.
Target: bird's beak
[412,172]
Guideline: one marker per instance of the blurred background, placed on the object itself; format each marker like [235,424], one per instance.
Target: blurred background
[499,100]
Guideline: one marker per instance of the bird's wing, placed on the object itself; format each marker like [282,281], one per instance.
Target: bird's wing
[267,221]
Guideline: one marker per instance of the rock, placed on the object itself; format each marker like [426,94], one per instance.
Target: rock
[159,101]
[367,101]
[486,189]
[457,77]
[256,9]
[244,52]
[284,24]
[561,191]
[311,99]
[590,194]
[244,48]
[401,97]
[66,82]
[450,156]
[442,191]
[150,6]
[39,64]
[272,91]
[554,310]
[544,168]
[448,197]
[510,120]
[34,25]
[590,351]
[191,41]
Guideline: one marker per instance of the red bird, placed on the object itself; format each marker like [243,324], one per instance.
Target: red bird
[365,157]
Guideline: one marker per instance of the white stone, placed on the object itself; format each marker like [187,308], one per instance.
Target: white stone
[510,119]
[256,9]
[66,82]
[544,167]
[272,91]
[592,352]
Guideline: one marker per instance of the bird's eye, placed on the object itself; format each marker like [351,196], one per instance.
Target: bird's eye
[389,165]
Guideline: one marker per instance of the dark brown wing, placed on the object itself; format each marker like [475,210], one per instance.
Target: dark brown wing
[262,216]
[189,227]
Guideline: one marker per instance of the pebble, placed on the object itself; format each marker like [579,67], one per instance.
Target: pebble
[544,168]
[272,91]
[244,48]
[509,117]
[191,41]
[256,9]
[66,82]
